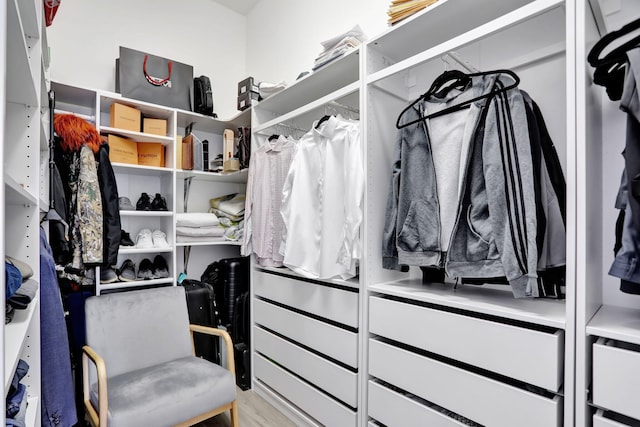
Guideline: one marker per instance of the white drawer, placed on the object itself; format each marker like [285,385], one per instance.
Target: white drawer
[616,379]
[334,379]
[335,342]
[315,403]
[393,409]
[525,354]
[324,301]
[600,421]
[481,399]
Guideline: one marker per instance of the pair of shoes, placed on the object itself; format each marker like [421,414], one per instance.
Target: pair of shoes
[147,239]
[145,203]
[127,271]
[158,269]
[125,204]
[108,275]
[125,239]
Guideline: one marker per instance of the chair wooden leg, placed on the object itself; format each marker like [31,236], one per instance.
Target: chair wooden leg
[235,415]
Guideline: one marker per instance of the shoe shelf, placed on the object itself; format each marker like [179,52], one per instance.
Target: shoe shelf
[135,283]
[128,250]
[146,213]
[232,177]
[139,169]
[212,242]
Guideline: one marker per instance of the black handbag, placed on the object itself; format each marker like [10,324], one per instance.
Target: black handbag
[154,79]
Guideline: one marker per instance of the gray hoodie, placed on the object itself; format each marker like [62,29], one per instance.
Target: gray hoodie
[482,156]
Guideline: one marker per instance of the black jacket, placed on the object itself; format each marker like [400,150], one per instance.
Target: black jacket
[110,207]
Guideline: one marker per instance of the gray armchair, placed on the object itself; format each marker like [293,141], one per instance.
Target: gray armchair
[144,372]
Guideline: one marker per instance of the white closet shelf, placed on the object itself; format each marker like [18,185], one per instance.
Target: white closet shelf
[73,95]
[504,22]
[29,17]
[146,213]
[147,109]
[138,136]
[135,283]
[350,283]
[15,333]
[212,242]
[318,103]
[479,299]
[139,169]
[16,194]
[335,75]
[32,412]
[618,323]
[213,125]
[130,250]
[234,177]
[22,89]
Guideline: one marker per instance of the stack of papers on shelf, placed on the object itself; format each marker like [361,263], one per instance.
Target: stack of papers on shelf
[400,9]
[337,46]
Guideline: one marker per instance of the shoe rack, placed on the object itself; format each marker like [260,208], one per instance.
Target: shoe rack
[182,190]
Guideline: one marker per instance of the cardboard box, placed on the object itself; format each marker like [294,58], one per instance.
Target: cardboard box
[151,154]
[231,165]
[154,126]
[247,85]
[122,150]
[125,117]
[247,99]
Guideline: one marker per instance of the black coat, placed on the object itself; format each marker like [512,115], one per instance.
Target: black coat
[110,207]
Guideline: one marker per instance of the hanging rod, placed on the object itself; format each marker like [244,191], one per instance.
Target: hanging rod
[92,119]
[344,107]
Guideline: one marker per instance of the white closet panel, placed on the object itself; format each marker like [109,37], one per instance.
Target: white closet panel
[318,405]
[334,379]
[600,421]
[481,399]
[528,355]
[333,341]
[616,378]
[324,301]
[394,409]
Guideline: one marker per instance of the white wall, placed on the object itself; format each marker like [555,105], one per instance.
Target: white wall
[86,34]
[283,36]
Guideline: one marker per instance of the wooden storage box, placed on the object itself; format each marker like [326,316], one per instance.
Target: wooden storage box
[154,126]
[125,117]
[151,154]
[122,150]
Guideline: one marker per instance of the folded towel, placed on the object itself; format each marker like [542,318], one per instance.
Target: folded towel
[232,204]
[196,239]
[196,219]
[223,216]
[24,295]
[212,231]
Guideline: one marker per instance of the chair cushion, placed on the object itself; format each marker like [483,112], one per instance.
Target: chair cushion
[167,394]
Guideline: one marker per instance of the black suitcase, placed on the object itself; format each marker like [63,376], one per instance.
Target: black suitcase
[202,311]
[240,335]
[229,278]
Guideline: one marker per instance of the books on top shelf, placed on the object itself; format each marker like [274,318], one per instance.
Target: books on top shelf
[400,9]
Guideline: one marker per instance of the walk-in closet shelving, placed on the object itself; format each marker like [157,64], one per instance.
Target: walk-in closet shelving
[607,320]
[422,325]
[306,352]
[24,157]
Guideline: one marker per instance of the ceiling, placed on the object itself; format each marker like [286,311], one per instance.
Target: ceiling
[241,6]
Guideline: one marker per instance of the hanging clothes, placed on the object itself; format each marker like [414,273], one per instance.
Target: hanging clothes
[322,202]
[263,223]
[490,188]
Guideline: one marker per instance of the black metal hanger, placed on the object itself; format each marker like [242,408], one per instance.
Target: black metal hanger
[610,69]
[458,78]
[274,136]
[322,120]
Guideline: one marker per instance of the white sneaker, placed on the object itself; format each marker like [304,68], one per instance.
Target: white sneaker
[159,239]
[144,239]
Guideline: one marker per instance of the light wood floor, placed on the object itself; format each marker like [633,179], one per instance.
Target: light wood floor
[254,412]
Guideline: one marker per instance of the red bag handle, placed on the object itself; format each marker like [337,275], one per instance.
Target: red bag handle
[154,81]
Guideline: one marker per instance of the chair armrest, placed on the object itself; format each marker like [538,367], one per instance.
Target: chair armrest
[227,341]
[99,418]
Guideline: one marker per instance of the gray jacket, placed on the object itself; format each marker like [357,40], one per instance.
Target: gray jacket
[493,231]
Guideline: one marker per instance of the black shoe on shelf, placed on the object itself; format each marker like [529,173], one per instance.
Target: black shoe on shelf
[143,203]
[125,239]
[145,270]
[159,203]
[160,267]
[127,271]
[108,275]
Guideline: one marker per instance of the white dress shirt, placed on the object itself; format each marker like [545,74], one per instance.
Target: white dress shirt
[263,222]
[322,202]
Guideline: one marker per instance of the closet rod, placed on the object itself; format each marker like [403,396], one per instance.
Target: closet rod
[345,107]
[455,57]
[92,119]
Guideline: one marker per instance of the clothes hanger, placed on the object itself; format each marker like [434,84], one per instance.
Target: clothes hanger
[322,120]
[458,74]
[274,136]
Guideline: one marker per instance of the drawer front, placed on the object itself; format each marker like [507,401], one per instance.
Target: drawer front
[324,301]
[527,355]
[335,342]
[481,399]
[600,421]
[393,409]
[315,403]
[334,379]
[616,379]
